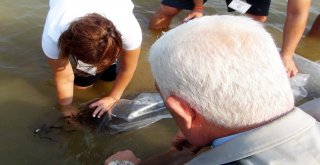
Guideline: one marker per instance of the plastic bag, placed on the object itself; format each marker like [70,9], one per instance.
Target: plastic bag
[145,109]
[142,105]
[313,69]
[297,84]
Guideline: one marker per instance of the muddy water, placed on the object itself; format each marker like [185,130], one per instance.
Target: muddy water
[27,97]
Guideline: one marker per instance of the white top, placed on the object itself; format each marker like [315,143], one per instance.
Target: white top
[62,12]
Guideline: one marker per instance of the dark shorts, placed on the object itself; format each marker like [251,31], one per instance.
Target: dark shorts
[180,4]
[258,7]
[107,75]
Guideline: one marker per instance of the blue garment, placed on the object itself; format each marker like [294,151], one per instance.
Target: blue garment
[180,4]
[225,139]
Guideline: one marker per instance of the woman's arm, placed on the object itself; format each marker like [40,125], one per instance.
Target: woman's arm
[63,77]
[128,64]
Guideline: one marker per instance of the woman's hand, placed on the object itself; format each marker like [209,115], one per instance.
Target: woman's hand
[103,105]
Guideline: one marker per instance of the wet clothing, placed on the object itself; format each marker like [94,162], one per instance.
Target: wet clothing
[63,12]
[259,7]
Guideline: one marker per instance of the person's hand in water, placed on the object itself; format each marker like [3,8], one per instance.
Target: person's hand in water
[195,13]
[180,142]
[290,66]
[123,157]
[103,105]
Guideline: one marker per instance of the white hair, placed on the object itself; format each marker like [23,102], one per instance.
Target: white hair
[227,68]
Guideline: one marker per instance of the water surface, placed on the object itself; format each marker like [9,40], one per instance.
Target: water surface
[28,96]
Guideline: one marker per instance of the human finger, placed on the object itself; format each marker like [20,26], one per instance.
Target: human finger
[102,112]
[94,104]
[294,73]
[96,111]
[185,20]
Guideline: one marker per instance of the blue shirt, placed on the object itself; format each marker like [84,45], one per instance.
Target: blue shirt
[220,141]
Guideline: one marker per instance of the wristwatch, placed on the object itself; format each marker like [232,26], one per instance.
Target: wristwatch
[120,162]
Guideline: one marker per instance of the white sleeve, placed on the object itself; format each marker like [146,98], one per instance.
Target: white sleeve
[52,29]
[49,46]
[131,35]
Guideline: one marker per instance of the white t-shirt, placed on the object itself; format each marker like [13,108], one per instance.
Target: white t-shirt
[62,12]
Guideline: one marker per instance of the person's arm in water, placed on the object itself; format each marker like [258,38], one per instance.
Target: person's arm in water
[128,64]
[297,14]
[63,77]
[196,12]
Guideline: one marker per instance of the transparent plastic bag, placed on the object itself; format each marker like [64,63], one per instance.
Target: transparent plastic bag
[145,109]
[142,105]
[297,84]
[306,66]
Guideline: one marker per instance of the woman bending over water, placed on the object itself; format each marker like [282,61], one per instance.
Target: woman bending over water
[83,40]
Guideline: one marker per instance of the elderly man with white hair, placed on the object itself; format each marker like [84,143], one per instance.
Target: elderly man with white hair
[225,86]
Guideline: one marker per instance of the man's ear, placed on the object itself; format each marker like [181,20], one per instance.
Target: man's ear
[182,109]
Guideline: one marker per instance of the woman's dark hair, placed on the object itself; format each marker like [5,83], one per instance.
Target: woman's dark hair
[93,39]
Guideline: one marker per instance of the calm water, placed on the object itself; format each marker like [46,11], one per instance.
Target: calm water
[28,99]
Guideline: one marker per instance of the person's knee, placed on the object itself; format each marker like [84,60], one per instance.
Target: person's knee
[258,18]
[162,17]
[168,11]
